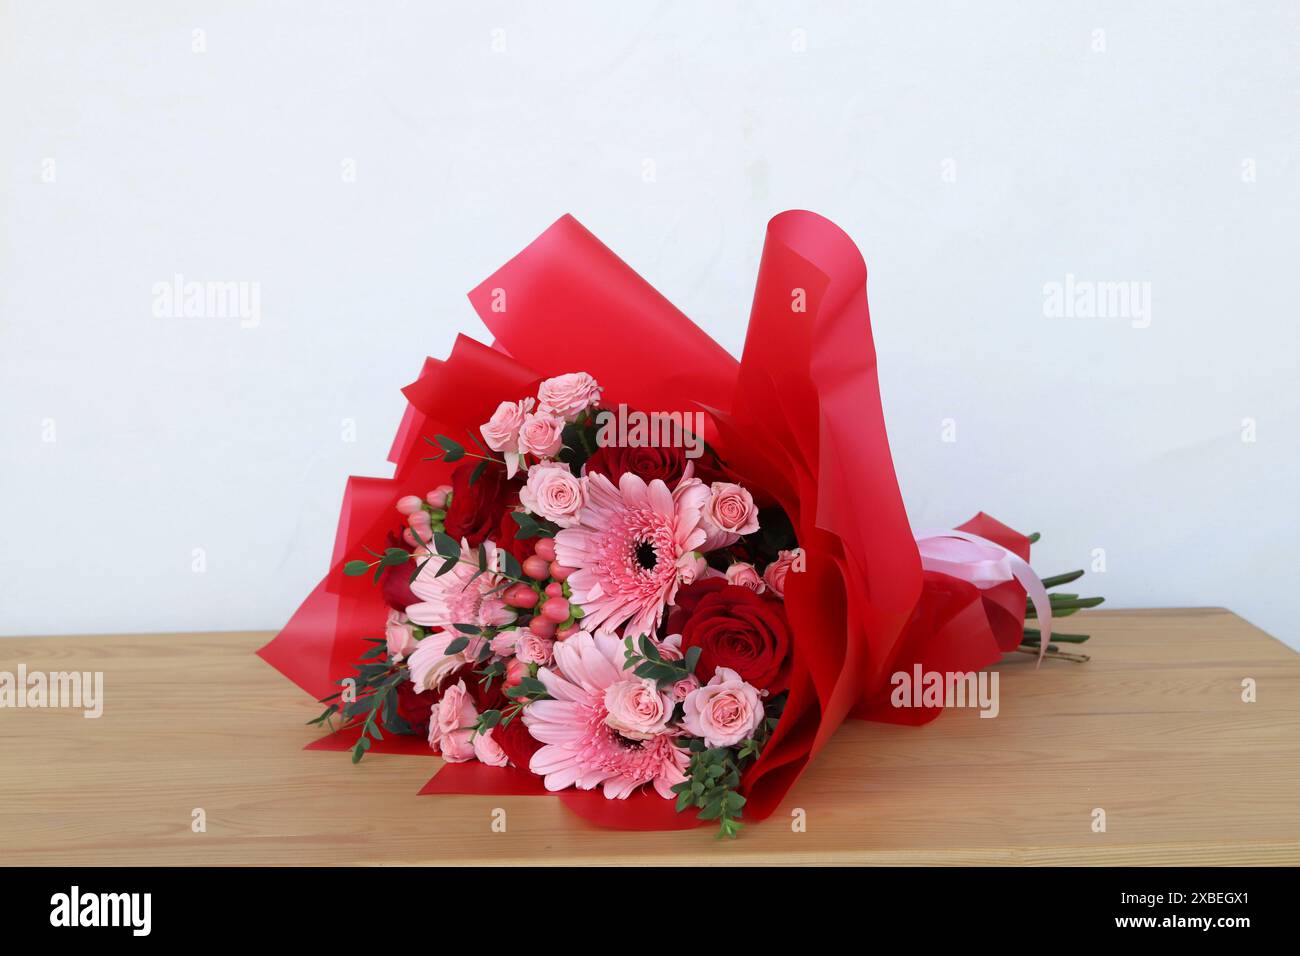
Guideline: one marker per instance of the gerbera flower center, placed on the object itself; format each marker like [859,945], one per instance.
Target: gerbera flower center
[627,743]
[646,555]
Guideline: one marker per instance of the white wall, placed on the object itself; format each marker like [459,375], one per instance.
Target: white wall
[1122,164]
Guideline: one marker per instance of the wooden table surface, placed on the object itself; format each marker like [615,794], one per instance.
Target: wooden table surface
[1153,731]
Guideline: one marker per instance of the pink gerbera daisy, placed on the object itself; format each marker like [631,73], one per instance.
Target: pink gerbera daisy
[631,546]
[581,749]
[457,597]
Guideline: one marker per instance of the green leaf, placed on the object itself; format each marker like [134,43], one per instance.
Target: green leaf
[489,719]
[394,556]
[457,645]
[447,566]
[477,473]
[452,450]
[510,564]
[468,628]
[692,658]
[446,545]
[354,569]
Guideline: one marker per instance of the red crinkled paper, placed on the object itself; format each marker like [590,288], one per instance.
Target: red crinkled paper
[799,416]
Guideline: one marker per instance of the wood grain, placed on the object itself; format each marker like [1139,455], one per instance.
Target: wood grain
[1153,730]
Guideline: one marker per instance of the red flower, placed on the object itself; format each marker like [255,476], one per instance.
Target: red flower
[505,538]
[476,509]
[666,464]
[414,707]
[396,580]
[736,628]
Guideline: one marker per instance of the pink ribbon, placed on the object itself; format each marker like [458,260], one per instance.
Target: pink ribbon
[985,563]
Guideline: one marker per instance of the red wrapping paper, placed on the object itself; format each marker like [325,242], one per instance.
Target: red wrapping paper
[798,417]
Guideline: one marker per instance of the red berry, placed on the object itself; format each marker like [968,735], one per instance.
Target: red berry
[545,549]
[555,589]
[564,632]
[520,595]
[556,609]
[559,572]
[542,627]
[536,568]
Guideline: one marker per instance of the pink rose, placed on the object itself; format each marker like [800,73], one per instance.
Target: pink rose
[451,725]
[636,708]
[745,575]
[553,492]
[775,574]
[568,396]
[724,711]
[541,435]
[488,751]
[531,649]
[684,688]
[502,430]
[730,513]
[401,640]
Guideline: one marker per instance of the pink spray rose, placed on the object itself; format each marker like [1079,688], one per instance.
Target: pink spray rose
[724,711]
[553,492]
[730,513]
[488,751]
[452,724]
[531,649]
[502,430]
[745,575]
[541,435]
[637,709]
[568,396]
[775,574]
[401,640]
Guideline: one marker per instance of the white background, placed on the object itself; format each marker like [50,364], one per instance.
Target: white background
[673,131]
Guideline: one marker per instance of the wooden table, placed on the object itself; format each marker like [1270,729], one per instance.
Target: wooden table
[1153,731]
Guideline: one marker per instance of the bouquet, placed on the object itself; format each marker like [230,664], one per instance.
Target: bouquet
[616,565]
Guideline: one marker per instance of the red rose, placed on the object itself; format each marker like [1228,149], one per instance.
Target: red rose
[395,583]
[736,628]
[476,509]
[505,538]
[414,707]
[666,464]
